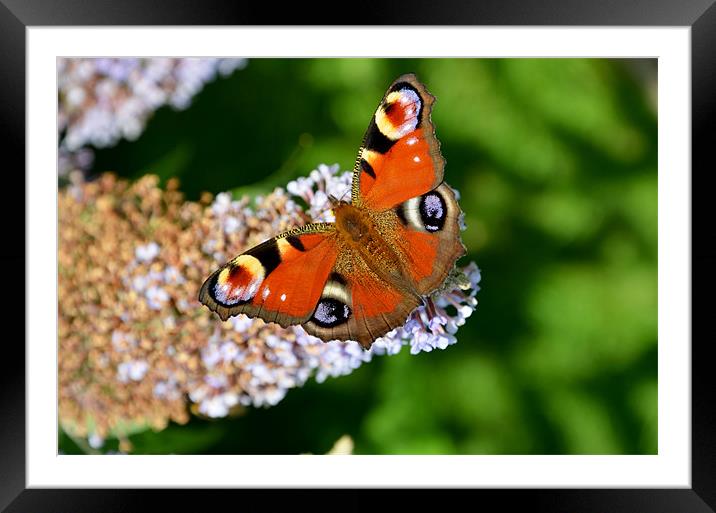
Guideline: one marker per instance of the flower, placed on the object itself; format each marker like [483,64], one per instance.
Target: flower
[102,100]
[136,345]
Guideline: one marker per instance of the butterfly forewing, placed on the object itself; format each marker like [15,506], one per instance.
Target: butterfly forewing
[279,280]
[400,157]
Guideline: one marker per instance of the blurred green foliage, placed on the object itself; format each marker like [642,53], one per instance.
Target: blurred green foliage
[556,163]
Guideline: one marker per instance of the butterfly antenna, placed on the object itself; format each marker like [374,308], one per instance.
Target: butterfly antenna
[332,202]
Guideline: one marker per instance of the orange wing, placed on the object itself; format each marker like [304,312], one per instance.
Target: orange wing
[429,237]
[359,307]
[400,157]
[280,280]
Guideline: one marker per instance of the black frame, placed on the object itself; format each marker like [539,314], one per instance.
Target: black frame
[700,15]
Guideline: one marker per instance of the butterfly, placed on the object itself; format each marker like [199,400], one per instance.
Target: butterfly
[392,244]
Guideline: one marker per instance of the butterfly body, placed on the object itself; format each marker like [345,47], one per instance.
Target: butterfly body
[392,244]
[367,237]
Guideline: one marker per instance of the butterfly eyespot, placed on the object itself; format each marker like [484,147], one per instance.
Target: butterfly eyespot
[399,114]
[239,281]
[330,312]
[428,212]
[433,211]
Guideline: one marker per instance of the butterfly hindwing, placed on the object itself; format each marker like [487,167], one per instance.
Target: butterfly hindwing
[362,306]
[279,280]
[429,236]
[359,307]
[400,157]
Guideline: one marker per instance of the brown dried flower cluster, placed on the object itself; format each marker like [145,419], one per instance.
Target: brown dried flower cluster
[130,347]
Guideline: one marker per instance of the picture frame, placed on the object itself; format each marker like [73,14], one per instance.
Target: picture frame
[17,16]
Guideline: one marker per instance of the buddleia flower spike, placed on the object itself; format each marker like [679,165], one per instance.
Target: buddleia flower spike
[135,345]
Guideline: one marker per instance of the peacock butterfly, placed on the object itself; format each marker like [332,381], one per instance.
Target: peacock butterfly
[395,242]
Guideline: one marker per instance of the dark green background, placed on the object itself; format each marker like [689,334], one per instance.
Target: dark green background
[556,163]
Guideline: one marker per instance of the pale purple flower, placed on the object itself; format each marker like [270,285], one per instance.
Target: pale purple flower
[95,441]
[133,370]
[147,252]
[156,297]
[241,322]
[103,100]
[218,405]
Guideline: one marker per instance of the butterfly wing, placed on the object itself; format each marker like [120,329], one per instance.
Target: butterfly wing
[359,307]
[400,169]
[280,280]
[400,157]
[428,235]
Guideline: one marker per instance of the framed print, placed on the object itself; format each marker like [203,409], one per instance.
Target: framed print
[244,303]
